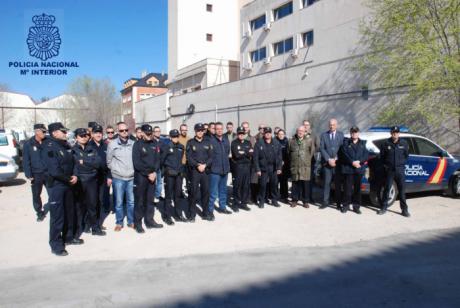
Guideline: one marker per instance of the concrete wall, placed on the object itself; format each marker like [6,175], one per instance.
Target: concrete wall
[154,111]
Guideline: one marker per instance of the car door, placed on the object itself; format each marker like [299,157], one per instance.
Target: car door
[428,165]
[411,178]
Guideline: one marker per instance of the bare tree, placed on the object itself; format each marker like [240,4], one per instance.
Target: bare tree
[93,100]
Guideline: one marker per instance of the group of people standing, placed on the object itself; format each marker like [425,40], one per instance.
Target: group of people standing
[78,178]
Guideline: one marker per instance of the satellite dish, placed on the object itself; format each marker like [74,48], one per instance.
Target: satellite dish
[191,109]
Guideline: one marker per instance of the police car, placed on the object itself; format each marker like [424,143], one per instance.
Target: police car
[429,167]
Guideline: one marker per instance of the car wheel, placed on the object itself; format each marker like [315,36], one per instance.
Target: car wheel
[375,196]
[454,186]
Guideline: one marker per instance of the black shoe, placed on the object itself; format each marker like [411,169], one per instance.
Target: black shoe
[245,207]
[235,209]
[180,218]
[191,219]
[344,209]
[227,212]
[260,205]
[75,241]
[405,213]
[41,217]
[357,210]
[98,232]
[275,204]
[61,253]
[153,225]
[169,222]
[87,229]
[139,229]
[381,212]
[323,206]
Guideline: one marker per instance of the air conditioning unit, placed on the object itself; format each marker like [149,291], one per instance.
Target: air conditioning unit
[295,52]
[247,66]
[267,60]
[268,26]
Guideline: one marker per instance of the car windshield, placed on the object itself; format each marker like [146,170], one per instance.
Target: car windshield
[3,140]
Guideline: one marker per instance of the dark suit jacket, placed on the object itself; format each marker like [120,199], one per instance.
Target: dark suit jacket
[329,148]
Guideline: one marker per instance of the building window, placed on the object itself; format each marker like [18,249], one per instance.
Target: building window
[209,7]
[283,46]
[257,23]
[209,37]
[309,2]
[307,39]
[283,11]
[259,54]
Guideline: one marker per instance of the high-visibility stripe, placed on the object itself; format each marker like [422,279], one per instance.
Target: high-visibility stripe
[438,172]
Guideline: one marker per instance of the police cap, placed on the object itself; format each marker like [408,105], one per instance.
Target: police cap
[173,133]
[81,132]
[267,130]
[91,124]
[199,126]
[240,130]
[40,126]
[56,126]
[98,129]
[146,128]
[395,129]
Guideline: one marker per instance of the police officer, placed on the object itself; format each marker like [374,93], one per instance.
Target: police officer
[268,164]
[199,160]
[171,162]
[352,155]
[241,160]
[87,164]
[34,167]
[104,177]
[60,166]
[146,161]
[394,153]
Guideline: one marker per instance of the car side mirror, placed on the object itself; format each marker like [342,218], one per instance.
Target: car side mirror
[443,153]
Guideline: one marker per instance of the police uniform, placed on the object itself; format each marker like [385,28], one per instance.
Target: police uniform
[35,169]
[86,167]
[268,160]
[394,156]
[103,205]
[198,152]
[60,166]
[241,162]
[171,162]
[146,160]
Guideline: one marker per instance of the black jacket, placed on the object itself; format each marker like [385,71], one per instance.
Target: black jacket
[241,152]
[394,155]
[146,157]
[350,152]
[86,162]
[32,157]
[266,155]
[199,152]
[101,149]
[171,158]
[59,161]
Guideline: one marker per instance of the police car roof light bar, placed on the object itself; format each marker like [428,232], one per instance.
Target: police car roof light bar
[378,129]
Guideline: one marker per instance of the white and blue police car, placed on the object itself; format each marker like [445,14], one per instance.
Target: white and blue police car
[429,167]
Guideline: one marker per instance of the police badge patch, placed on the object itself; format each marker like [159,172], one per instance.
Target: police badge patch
[44,40]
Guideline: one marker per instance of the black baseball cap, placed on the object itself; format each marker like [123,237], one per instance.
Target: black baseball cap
[40,126]
[240,130]
[146,128]
[199,126]
[98,129]
[354,129]
[174,133]
[267,130]
[395,129]
[81,131]
[56,126]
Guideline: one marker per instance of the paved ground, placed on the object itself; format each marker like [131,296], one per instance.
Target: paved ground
[263,258]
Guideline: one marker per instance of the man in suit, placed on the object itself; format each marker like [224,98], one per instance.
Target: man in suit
[330,143]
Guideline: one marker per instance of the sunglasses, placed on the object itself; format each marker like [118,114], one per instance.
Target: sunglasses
[110,132]
[63,131]
[83,135]
[123,130]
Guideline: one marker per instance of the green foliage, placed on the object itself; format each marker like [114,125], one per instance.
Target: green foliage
[415,43]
